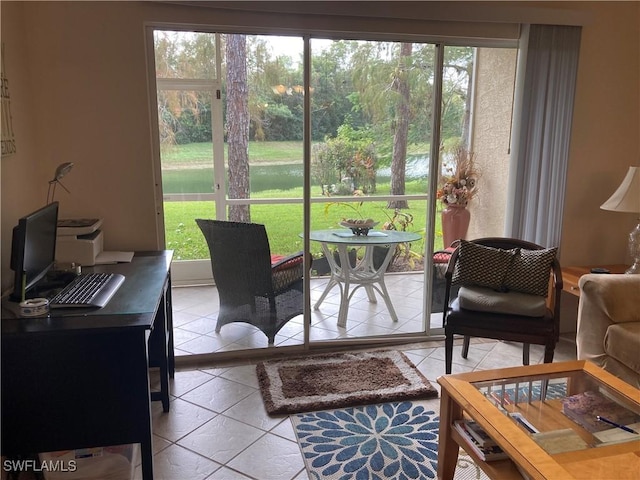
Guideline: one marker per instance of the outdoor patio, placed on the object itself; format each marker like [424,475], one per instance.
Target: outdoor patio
[195,311]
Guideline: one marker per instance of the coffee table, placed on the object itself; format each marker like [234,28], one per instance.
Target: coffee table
[488,396]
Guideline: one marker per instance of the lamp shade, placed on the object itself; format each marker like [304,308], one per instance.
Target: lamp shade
[62,170]
[627,197]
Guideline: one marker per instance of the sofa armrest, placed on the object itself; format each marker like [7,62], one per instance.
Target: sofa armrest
[604,300]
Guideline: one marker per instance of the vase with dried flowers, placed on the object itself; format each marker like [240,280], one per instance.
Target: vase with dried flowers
[458,185]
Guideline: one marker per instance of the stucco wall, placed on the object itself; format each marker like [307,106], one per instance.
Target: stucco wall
[493,98]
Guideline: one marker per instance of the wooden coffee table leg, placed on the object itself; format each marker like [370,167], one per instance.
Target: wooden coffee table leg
[447,446]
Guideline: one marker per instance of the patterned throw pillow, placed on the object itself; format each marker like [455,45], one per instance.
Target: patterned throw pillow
[482,266]
[530,271]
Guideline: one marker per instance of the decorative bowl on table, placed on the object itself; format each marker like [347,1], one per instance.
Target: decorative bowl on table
[359,226]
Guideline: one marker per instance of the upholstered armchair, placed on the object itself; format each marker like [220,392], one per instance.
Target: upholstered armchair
[509,290]
[608,331]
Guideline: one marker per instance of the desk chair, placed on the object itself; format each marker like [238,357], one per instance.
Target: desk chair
[250,287]
[509,290]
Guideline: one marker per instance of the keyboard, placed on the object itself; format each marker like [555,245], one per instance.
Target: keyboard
[88,290]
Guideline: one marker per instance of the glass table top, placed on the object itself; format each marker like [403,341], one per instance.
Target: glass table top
[565,411]
[374,237]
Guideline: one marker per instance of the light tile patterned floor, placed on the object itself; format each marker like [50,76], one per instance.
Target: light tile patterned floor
[217,427]
[196,309]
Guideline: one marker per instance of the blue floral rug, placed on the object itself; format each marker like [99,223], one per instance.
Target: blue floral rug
[374,442]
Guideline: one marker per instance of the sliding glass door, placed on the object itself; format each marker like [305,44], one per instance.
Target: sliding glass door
[386,120]
[371,116]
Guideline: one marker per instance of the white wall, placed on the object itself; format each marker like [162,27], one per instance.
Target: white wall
[23,178]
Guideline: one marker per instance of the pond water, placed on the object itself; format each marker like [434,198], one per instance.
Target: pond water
[271,177]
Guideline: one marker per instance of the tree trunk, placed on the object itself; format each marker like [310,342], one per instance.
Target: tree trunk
[237,125]
[399,159]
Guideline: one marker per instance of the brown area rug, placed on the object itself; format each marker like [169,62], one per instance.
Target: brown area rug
[340,380]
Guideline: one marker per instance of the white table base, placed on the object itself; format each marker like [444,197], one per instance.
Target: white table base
[349,279]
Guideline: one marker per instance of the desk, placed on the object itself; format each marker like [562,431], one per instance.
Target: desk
[571,276]
[80,378]
[364,273]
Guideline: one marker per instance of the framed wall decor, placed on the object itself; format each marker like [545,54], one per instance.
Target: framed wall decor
[8,135]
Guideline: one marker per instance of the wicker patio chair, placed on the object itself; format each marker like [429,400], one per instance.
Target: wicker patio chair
[440,261]
[509,290]
[250,287]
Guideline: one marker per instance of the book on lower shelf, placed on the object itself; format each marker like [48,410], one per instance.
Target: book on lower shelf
[585,408]
[487,452]
[478,433]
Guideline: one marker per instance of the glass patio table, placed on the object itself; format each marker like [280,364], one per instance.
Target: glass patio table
[365,273]
[554,420]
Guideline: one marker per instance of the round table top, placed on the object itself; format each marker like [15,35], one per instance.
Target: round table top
[375,237]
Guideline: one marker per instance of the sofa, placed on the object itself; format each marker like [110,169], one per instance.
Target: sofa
[608,331]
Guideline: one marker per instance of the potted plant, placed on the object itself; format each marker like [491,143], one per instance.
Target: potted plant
[399,221]
[458,185]
[320,264]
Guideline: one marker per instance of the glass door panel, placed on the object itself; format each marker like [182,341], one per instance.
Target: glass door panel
[189,121]
[263,116]
[477,106]
[188,181]
[476,109]
[231,134]
[371,132]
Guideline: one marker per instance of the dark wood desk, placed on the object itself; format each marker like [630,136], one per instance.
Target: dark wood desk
[80,378]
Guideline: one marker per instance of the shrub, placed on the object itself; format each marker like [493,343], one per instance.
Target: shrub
[346,163]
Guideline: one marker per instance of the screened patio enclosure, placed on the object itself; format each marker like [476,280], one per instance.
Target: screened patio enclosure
[301,133]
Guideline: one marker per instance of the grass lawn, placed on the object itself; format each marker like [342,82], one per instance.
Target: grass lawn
[259,152]
[191,165]
[283,222]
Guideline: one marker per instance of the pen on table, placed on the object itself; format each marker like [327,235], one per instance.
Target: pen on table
[623,427]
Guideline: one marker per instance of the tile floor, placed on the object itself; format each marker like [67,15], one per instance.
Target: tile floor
[196,309]
[217,428]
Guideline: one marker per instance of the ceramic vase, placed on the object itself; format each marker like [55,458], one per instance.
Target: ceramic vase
[455,223]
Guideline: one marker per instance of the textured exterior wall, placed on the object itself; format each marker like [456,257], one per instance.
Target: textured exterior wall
[495,74]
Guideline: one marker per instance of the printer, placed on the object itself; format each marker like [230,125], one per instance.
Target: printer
[79,241]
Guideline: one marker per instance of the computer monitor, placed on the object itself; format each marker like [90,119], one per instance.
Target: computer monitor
[33,249]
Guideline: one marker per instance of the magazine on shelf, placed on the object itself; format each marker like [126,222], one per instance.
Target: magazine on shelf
[479,434]
[487,453]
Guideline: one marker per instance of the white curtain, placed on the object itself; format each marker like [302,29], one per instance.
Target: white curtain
[542,133]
